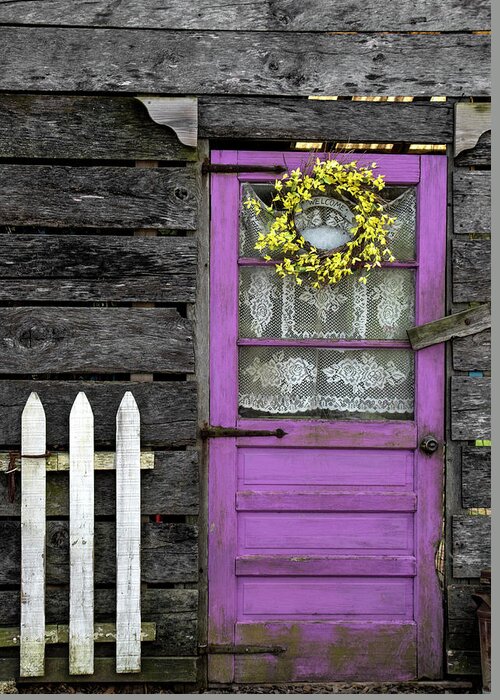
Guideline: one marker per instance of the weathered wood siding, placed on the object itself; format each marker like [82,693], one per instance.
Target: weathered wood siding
[80,274]
[468,461]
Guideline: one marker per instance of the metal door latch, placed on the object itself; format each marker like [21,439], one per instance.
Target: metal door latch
[240,649]
[218,431]
[429,444]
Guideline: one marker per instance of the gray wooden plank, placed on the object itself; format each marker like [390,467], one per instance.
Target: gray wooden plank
[116,197]
[272,63]
[463,663]
[470,408]
[303,119]
[174,611]
[97,268]
[471,270]
[463,634]
[476,477]
[460,604]
[38,340]
[471,545]
[464,323]
[169,553]
[472,202]
[178,669]
[72,126]
[168,410]
[265,15]
[76,126]
[473,352]
[170,489]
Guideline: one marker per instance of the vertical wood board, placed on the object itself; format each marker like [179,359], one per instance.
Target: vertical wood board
[81,537]
[33,434]
[128,537]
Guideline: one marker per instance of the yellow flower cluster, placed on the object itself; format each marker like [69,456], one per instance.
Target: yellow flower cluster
[359,188]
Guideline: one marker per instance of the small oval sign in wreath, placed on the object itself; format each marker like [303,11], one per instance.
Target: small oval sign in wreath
[327,223]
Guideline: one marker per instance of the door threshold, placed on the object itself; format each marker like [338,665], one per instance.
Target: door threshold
[355,687]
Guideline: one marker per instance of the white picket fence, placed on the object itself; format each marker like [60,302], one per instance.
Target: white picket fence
[81,632]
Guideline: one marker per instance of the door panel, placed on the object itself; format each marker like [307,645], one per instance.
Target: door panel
[322,538]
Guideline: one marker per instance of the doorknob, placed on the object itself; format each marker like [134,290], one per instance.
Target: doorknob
[429,444]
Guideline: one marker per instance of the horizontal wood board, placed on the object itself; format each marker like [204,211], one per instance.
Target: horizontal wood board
[471,270]
[174,611]
[478,156]
[171,488]
[476,477]
[113,197]
[470,408]
[471,202]
[274,15]
[168,410]
[175,62]
[97,268]
[303,119]
[38,340]
[471,545]
[169,553]
[77,126]
[473,352]
[159,669]
[118,127]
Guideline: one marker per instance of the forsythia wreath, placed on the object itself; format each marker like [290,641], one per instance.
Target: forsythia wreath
[357,187]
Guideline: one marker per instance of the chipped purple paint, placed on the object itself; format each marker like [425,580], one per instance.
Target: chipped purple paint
[322,541]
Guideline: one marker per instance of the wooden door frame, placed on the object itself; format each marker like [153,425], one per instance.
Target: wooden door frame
[429,174]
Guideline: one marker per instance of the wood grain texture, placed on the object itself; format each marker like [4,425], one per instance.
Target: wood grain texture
[128,536]
[461,605]
[170,489]
[472,119]
[114,197]
[269,15]
[169,553]
[173,611]
[175,62]
[471,545]
[81,537]
[472,202]
[178,113]
[156,669]
[303,119]
[479,155]
[464,323]
[168,410]
[32,630]
[463,663]
[97,268]
[56,339]
[476,477]
[60,126]
[471,270]
[59,461]
[473,352]
[59,634]
[470,408]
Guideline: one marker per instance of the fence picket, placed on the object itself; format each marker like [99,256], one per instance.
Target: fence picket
[128,537]
[32,633]
[81,537]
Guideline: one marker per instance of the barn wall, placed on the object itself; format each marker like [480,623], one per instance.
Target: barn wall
[104,226]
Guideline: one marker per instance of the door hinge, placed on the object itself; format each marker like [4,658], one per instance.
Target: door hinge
[240,649]
[227,169]
[218,431]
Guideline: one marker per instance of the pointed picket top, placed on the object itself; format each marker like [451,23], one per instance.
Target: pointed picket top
[33,488]
[81,537]
[128,536]
[33,426]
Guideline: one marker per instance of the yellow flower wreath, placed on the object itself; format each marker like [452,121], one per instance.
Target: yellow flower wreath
[355,185]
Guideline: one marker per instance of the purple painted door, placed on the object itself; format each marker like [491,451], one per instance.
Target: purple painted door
[322,542]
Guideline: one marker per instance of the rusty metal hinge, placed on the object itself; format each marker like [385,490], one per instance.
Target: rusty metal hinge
[240,649]
[218,431]
[223,168]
